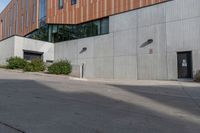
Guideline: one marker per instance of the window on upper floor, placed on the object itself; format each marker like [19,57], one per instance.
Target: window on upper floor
[58,33]
[42,18]
[16,17]
[73,2]
[34,11]
[60,4]
[27,13]
[1,28]
[22,5]
[22,23]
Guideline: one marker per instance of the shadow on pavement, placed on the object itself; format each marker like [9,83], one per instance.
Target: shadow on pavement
[34,107]
[172,96]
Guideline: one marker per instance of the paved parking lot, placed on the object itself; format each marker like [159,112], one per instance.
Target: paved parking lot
[31,103]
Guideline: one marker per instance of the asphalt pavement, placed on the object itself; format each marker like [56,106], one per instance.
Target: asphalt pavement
[34,103]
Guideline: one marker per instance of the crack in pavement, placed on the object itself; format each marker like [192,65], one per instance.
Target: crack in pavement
[11,127]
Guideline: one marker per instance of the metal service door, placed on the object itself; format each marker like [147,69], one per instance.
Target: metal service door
[184,64]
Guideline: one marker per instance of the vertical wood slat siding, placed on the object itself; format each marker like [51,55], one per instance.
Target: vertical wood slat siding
[31,26]
[86,10]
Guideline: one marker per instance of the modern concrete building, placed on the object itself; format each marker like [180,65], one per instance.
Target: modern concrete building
[116,39]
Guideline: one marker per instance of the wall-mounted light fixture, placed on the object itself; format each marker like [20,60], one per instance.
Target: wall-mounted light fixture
[146,43]
[83,50]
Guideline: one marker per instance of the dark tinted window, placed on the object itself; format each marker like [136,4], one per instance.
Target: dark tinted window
[73,2]
[58,33]
[42,9]
[70,32]
[40,34]
[60,4]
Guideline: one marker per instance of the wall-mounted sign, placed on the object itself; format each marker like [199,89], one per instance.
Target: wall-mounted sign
[150,51]
[184,63]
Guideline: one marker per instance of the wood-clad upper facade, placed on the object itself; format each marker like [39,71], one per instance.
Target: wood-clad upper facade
[86,10]
[21,17]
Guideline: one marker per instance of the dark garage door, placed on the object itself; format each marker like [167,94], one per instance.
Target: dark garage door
[30,55]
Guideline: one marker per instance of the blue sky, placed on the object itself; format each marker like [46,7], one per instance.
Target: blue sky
[3,4]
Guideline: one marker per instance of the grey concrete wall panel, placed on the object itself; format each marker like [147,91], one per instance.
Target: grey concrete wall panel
[125,67]
[174,10]
[151,16]
[103,68]
[172,65]
[103,46]
[125,42]
[76,71]
[174,36]
[191,34]
[123,21]
[190,9]
[177,10]
[196,61]
[67,50]
[6,50]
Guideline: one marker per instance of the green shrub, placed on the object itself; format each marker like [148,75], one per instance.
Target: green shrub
[16,63]
[35,65]
[28,67]
[60,67]
[197,76]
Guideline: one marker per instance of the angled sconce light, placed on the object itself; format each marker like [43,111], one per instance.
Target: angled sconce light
[146,43]
[83,50]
